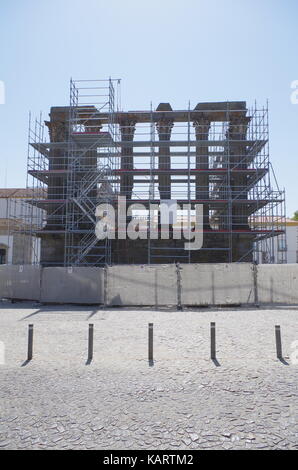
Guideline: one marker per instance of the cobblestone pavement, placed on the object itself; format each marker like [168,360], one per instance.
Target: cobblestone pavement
[248,400]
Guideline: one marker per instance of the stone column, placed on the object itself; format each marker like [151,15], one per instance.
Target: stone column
[164,128]
[52,244]
[237,137]
[88,162]
[92,125]
[127,128]
[202,126]
[58,131]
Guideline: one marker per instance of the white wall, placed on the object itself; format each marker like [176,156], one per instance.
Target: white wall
[3,208]
[292,243]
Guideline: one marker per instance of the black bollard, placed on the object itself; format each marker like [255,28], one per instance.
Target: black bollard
[278,342]
[150,343]
[30,342]
[90,342]
[212,341]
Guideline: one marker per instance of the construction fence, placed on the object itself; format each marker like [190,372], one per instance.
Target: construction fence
[173,285]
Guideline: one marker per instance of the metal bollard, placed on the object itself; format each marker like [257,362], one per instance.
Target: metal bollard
[30,342]
[150,343]
[278,342]
[90,342]
[212,341]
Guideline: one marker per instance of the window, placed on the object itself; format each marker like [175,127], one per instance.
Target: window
[2,256]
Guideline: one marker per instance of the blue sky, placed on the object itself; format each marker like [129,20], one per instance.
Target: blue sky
[163,50]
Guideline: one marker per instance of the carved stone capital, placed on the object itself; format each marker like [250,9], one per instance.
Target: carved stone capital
[57,130]
[202,126]
[127,128]
[238,126]
[164,128]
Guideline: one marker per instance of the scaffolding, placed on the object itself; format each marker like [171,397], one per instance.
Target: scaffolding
[25,218]
[216,154]
[93,157]
[71,173]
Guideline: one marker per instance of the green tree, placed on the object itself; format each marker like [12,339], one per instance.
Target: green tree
[295,217]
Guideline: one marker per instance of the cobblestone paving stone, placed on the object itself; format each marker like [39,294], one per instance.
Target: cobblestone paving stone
[184,401]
